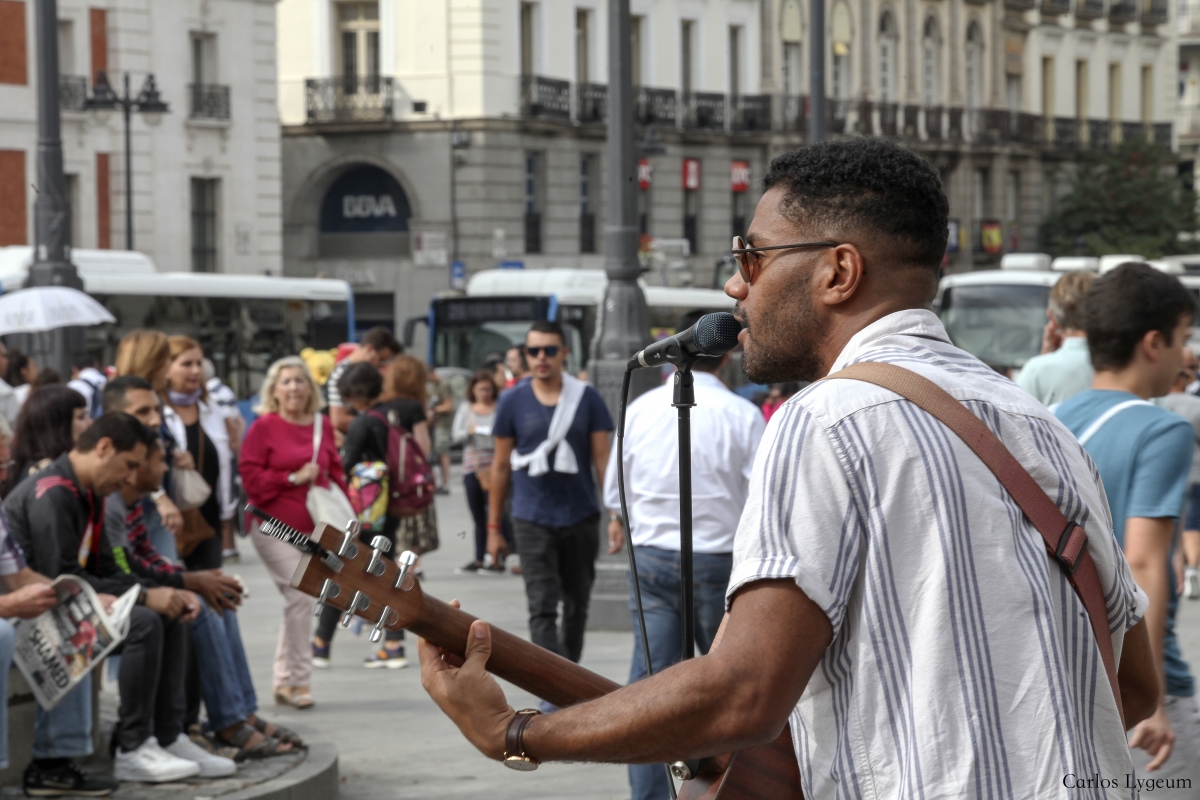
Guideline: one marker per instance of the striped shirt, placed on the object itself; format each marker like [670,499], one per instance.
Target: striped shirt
[962,664]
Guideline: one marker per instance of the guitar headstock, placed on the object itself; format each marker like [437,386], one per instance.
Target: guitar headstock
[370,584]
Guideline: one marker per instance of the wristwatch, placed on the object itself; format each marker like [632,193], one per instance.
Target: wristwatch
[514,745]
[292,478]
[158,494]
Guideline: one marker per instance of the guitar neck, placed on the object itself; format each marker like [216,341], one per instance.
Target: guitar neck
[521,663]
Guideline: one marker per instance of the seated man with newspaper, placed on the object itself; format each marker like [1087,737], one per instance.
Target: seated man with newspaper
[56,516]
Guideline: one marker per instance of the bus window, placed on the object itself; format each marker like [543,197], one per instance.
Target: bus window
[468,346]
[1001,324]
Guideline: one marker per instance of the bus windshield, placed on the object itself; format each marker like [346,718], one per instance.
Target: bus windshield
[1001,324]
[469,345]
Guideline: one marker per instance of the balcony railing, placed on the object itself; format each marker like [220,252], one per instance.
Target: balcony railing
[1154,12]
[1188,119]
[1122,11]
[751,112]
[209,101]
[704,111]
[1020,5]
[1089,9]
[545,97]
[655,106]
[591,102]
[887,115]
[1052,8]
[911,125]
[72,92]
[794,110]
[350,98]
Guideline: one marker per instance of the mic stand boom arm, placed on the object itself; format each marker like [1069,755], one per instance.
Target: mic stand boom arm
[684,400]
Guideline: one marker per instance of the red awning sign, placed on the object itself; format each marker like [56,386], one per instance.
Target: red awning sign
[739,176]
[691,174]
[644,173]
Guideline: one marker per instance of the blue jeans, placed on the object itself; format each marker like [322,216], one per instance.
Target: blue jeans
[7,638]
[658,575]
[224,674]
[65,731]
[162,539]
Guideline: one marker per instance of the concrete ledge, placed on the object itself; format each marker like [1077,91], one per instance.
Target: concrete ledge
[315,778]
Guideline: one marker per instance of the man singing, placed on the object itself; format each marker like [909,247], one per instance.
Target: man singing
[888,598]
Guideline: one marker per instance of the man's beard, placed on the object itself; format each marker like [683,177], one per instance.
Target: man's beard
[784,341]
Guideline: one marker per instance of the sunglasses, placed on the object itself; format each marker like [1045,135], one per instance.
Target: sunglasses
[550,350]
[749,259]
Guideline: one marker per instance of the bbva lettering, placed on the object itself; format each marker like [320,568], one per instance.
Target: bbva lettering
[365,205]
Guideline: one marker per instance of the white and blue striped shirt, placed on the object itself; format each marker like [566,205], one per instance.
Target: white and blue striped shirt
[962,663]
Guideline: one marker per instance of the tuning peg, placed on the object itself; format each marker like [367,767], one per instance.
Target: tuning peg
[405,580]
[377,565]
[358,603]
[348,548]
[384,619]
[328,589]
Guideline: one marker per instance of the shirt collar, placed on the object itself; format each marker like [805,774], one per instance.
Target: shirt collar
[909,322]
[708,379]
[1074,343]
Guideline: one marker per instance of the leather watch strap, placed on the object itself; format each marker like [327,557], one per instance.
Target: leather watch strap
[514,744]
[1065,540]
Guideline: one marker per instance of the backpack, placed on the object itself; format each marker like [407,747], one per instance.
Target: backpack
[410,475]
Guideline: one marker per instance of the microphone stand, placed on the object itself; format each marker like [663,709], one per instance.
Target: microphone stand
[684,399]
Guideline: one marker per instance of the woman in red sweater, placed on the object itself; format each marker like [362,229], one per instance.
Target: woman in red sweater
[277,469]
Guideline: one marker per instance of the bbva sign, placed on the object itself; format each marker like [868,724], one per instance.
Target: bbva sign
[366,206]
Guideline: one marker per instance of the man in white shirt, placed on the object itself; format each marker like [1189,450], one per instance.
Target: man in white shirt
[1064,368]
[725,433]
[89,382]
[890,605]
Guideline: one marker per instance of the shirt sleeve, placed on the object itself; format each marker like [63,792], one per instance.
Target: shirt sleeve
[1161,471]
[332,396]
[263,482]
[458,429]
[601,420]
[12,560]
[505,424]
[612,498]
[808,530]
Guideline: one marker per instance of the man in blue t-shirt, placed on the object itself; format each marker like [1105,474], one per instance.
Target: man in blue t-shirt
[549,433]
[1137,325]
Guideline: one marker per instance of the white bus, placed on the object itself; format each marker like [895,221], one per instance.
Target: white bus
[244,322]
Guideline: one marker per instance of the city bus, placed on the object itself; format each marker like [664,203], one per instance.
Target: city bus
[243,322]
[498,306]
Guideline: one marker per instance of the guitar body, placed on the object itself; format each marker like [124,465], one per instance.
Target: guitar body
[765,772]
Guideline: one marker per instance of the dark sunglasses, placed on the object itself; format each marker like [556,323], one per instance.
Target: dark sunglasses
[750,265]
[551,351]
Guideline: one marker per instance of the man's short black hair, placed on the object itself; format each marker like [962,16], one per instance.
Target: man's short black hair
[1124,305]
[549,326]
[868,186]
[382,339]
[124,430]
[116,389]
[703,363]
[360,381]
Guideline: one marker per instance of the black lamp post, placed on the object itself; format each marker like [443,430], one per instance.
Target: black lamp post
[149,104]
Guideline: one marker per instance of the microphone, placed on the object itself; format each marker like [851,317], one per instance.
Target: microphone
[712,335]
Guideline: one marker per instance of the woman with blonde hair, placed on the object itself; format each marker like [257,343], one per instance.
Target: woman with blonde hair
[278,466]
[146,354]
[404,379]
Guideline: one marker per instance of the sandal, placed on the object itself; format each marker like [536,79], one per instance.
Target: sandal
[266,747]
[276,731]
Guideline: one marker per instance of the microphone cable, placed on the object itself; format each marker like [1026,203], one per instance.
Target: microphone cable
[625,527]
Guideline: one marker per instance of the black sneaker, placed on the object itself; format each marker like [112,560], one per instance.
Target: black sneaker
[62,777]
[470,568]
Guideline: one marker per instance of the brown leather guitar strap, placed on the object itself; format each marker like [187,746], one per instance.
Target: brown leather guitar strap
[1066,541]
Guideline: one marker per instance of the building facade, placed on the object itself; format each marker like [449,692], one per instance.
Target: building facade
[205,177]
[420,132]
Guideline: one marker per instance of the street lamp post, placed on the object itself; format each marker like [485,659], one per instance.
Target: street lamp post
[149,104]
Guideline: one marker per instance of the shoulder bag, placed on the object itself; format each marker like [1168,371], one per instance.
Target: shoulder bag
[1066,541]
[190,483]
[327,504]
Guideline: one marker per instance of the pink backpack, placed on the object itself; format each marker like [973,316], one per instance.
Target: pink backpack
[410,475]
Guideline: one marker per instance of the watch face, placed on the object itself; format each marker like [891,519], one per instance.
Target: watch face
[520,763]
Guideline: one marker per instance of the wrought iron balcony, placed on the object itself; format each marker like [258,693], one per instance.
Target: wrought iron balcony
[1052,8]
[655,106]
[1162,133]
[933,122]
[1099,133]
[794,110]
[1020,5]
[1154,12]
[751,112]
[1133,132]
[1089,9]
[1122,11]
[349,98]
[704,111]
[888,116]
[910,125]
[545,97]
[72,92]
[954,124]
[209,101]
[591,102]
[1066,133]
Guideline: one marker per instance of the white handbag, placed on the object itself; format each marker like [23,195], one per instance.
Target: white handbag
[327,504]
[191,490]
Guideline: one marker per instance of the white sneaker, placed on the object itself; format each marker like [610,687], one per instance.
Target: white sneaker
[1191,583]
[211,765]
[151,764]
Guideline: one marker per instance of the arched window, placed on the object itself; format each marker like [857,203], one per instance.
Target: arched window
[364,214]
[974,76]
[792,29]
[889,78]
[931,63]
[841,30]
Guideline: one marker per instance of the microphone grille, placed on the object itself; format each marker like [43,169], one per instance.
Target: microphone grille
[716,334]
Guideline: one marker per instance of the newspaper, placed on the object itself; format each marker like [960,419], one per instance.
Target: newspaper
[54,651]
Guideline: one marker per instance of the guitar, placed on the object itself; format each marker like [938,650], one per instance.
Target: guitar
[341,571]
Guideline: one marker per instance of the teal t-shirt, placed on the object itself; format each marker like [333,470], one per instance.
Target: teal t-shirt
[1143,454]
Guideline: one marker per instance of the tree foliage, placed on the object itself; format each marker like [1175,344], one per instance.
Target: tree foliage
[1126,201]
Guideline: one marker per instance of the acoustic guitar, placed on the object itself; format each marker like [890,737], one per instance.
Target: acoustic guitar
[341,571]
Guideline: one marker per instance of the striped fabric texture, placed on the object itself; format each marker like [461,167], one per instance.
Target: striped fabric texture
[962,663]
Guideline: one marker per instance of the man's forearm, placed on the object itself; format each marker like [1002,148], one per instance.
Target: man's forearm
[498,492]
[1154,583]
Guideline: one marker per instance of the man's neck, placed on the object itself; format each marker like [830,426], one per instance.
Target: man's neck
[1129,380]
[80,468]
[130,495]
[551,385]
[1071,333]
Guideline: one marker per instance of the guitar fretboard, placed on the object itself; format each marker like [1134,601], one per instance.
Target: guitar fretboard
[283,532]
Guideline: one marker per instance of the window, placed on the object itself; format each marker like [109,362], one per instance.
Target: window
[587,211]
[358,37]
[841,51]
[1047,87]
[66,47]
[981,193]
[635,48]
[535,182]
[1114,92]
[14,68]
[582,53]
[1147,93]
[204,224]
[931,62]
[1012,208]
[204,59]
[793,38]
[1012,92]
[691,203]
[1081,89]
[888,44]
[974,66]
[735,61]
[527,20]
[685,55]
[76,239]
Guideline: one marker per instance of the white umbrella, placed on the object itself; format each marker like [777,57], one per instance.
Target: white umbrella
[45,308]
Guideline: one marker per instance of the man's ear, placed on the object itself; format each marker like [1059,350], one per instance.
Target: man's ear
[843,276]
[1152,344]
